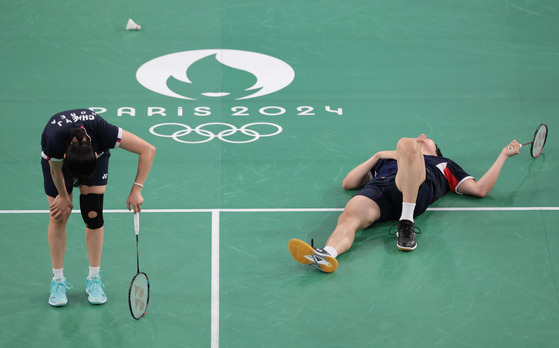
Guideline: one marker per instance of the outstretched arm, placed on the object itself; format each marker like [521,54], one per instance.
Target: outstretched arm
[146,151]
[359,175]
[482,187]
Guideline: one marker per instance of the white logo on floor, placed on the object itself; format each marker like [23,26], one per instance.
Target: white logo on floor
[271,73]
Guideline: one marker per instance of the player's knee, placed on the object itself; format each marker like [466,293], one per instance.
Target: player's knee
[353,221]
[91,207]
[62,219]
[407,145]
[358,218]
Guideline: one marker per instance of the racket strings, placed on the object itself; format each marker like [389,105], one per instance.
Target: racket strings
[539,140]
[139,295]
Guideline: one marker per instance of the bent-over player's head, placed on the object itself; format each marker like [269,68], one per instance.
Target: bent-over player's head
[80,159]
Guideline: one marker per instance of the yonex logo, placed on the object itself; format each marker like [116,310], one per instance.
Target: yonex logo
[271,73]
[208,135]
[139,301]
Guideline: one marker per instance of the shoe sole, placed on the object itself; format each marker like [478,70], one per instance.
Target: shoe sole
[62,304]
[300,249]
[403,248]
[95,302]
[406,248]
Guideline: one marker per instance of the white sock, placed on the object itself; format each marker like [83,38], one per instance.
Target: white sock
[57,273]
[93,271]
[407,211]
[331,251]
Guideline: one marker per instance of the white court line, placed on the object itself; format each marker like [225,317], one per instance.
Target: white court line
[215,281]
[496,209]
[282,210]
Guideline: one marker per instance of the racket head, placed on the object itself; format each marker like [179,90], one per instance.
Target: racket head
[540,137]
[138,295]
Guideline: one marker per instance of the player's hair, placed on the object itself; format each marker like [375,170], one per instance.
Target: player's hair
[80,160]
[439,153]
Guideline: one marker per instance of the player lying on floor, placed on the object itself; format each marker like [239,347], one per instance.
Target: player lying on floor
[397,185]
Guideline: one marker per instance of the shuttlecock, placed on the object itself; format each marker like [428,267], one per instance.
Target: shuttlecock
[131,25]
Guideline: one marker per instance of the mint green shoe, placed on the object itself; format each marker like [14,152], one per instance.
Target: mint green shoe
[58,288]
[94,288]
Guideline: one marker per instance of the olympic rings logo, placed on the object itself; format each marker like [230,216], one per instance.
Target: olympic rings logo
[209,135]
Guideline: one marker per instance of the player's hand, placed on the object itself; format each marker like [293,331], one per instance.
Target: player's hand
[511,149]
[60,205]
[387,155]
[135,200]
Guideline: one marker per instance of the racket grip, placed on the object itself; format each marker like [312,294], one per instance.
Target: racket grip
[511,147]
[137,223]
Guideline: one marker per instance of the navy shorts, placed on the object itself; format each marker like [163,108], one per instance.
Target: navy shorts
[384,192]
[100,178]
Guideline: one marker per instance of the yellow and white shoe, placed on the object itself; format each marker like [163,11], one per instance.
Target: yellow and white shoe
[306,254]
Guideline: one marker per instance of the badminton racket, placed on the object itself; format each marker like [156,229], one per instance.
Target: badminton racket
[138,294]
[538,142]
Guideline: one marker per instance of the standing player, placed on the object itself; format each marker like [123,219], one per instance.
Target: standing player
[76,149]
[396,185]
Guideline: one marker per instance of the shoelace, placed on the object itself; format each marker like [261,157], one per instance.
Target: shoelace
[60,286]
[96,285]
[319,250]
[407,231]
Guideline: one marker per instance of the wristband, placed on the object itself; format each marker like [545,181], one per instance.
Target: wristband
[138,184]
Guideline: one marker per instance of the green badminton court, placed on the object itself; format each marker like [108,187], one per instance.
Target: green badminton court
[258,110]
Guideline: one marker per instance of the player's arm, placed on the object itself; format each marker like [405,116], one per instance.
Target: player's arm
[482,187]
[359,175]
[146,152]
[62,201]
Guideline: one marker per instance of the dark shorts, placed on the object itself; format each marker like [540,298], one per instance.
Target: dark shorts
[389,199]
[100,178]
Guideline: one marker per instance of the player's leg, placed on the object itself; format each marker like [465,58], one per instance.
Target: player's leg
[411,174]
[411,169]
[57,247]
[56,236]
[360,212]
[91,206]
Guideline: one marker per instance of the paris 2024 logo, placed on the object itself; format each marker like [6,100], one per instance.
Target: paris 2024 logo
[209,74]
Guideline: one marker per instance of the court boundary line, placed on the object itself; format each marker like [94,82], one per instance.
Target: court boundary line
[280,210]
[214,301]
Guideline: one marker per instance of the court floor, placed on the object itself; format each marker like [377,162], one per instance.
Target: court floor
[258,110]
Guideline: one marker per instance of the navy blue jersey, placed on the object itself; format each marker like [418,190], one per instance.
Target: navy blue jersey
[56,135]
[444,173]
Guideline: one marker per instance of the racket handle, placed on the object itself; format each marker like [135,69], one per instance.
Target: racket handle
[137,223]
